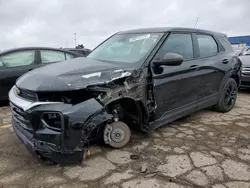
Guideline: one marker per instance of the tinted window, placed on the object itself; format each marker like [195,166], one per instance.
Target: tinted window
[177,43]
[49,56]
[69,56]
[16,59]
[208,46]
[225,43]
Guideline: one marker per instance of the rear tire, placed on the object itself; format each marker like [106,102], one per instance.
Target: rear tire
[228,96]
[118,134]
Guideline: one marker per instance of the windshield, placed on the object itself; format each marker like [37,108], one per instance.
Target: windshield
[126,48]
[247,51]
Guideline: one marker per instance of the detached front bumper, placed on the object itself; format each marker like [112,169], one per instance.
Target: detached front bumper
[67,142]
[46,150]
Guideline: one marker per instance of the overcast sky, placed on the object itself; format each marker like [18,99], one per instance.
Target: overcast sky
[54,22]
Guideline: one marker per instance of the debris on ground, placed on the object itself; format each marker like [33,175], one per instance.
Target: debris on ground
[134,157]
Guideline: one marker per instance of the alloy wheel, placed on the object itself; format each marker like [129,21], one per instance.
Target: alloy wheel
[230,95]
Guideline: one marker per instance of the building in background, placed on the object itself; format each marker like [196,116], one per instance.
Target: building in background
[239,41]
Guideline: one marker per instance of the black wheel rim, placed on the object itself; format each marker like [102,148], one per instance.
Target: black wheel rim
[230,95]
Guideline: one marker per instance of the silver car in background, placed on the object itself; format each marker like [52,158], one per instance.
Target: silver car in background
[244,56]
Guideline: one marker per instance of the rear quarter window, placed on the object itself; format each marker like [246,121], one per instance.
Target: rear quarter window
[225,43]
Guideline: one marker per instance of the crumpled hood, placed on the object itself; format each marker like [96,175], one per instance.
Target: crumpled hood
[70,75]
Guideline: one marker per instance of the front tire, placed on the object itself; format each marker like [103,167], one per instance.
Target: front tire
[228,96]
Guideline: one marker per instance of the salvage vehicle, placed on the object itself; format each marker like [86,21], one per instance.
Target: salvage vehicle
[141,78]
[16,62]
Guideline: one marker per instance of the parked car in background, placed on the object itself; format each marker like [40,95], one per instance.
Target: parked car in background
[244,56]
[245,51]
[238,50]
[140,78]
[15,62]
[83,51]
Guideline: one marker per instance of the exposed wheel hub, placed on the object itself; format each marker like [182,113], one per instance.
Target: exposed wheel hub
[117,135]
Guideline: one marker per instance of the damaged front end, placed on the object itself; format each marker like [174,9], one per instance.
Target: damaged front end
[60,125]
[57,131]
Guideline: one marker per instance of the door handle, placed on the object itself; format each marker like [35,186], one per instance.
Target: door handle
[30,69]
[193,67]
[225,61]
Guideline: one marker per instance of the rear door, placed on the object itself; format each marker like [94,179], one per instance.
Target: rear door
[213,64]
[13,65]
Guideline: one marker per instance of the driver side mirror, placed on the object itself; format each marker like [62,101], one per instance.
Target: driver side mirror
[169,59]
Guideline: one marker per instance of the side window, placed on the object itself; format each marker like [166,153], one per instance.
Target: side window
[247,52]
[69,56]
[16,59]
[50,56]
[208,46]
[177,43]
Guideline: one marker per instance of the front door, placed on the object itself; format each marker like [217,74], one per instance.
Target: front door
[176,87]
[13,65]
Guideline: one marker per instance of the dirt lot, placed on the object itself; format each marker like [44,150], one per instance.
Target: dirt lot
[207,149]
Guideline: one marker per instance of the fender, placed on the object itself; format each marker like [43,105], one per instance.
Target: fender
[234,72]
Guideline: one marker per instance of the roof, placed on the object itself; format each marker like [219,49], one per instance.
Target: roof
[169,29]
[35,48]
[78,49]
[239,39]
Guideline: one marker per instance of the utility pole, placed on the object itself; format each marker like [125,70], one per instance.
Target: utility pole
[75,39]
[196,22]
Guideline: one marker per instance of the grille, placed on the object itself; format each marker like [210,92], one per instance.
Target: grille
[246,69]
[29,95]
[20,117]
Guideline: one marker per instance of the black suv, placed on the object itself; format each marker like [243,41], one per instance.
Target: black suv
[140,78]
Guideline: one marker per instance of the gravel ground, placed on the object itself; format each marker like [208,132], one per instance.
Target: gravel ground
[206,149]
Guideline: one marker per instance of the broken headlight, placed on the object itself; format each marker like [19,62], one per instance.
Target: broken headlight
[52,120]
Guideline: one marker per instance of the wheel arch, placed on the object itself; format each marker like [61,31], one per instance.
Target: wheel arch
[230,74]
[236,78]
[137,107]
